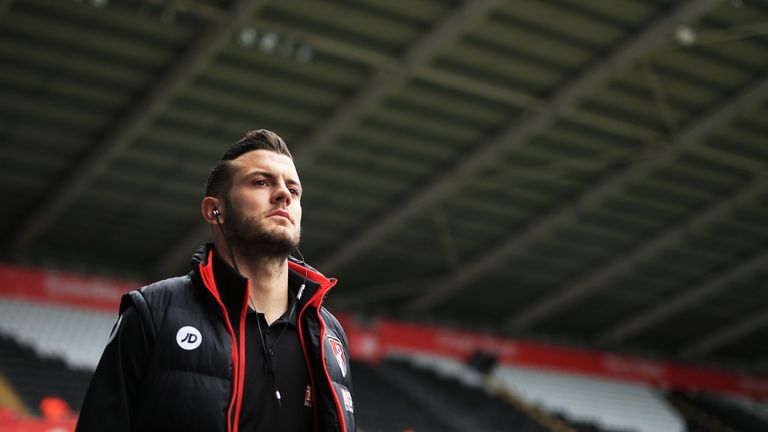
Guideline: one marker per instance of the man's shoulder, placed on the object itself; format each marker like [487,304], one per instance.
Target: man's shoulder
[167,286]
[151,301]
[161,293]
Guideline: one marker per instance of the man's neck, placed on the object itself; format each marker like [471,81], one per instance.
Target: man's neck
[268,277]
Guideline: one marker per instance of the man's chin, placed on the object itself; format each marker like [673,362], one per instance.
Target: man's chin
[279,242]
[267,248]
[282,234]
[266,240]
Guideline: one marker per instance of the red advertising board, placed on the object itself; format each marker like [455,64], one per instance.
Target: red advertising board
[387,336]
[63,288]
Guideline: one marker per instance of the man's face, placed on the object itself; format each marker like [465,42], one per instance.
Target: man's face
[263,205]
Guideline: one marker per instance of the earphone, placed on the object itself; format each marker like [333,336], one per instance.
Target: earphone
[216,213]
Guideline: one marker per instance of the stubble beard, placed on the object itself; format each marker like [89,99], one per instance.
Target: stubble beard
[254,241]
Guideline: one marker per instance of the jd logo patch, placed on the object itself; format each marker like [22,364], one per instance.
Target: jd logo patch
[338,353]
[189,338]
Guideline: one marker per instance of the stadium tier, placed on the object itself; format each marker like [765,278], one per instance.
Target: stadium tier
[35,377]
[51,350]
[709,411]
[465,407]
[610,403]
[383,406]
[74,335]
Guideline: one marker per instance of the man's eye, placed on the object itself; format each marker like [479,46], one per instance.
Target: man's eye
[294,191]
[260,182]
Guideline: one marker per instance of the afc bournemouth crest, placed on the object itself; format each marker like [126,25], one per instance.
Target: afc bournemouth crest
[338,353]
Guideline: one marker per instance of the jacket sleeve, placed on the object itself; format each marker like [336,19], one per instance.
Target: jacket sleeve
[110,401]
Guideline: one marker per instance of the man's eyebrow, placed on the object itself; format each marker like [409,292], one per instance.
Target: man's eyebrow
[260,173]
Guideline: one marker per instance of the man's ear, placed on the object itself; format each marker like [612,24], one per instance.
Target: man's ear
[210,208]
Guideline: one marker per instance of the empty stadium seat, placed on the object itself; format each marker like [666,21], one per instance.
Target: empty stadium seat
[738,417]
[77,336]
[458,396]
[380,406]
[607,403]
[35,377]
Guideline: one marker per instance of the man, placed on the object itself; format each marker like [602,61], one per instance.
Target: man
[242,342]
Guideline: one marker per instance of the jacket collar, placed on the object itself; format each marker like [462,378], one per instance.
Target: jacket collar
[229,286]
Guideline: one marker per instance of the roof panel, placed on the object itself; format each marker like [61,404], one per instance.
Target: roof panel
[624,11]
[567,23]
[345,21]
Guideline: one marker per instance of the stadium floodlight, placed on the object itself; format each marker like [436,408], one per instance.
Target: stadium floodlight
[269,42]
[247,36]
[685,36]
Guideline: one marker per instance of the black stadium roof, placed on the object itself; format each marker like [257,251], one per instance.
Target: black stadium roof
[587,172]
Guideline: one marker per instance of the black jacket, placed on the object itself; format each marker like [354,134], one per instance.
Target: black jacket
[154,376]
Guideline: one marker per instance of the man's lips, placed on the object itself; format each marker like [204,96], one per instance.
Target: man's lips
[281,213]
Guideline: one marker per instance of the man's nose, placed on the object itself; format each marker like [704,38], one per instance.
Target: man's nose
[282,193]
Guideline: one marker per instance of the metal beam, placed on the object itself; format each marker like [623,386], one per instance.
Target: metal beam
[137,119]
[387,80]
[672,236]
[691,297]
[689,139]
[518,243]
[514,136]
[390,76]
[727,335]
[634,324]
[659,243]
[177,257]
[339,47]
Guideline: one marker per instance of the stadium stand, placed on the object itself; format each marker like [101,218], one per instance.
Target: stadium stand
[381,406]
[35,378]
[512,400]
[753,407]
[10,402]
[50,350]
[464,405]
[697,420]
[583,400]
[77,336]
[712,412]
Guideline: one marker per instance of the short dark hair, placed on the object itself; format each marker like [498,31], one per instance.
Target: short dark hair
[220,178]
